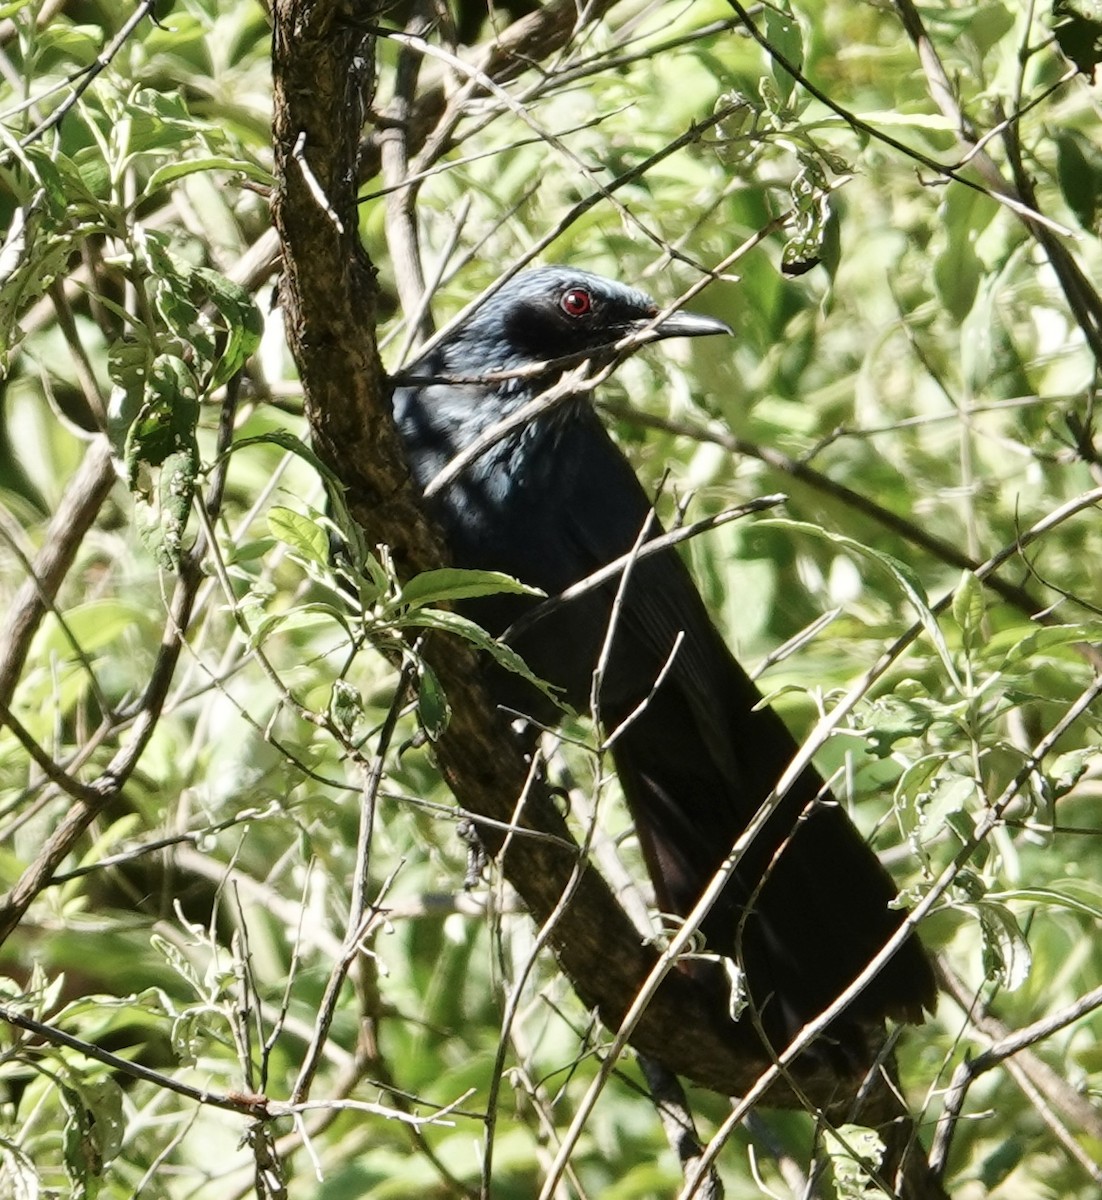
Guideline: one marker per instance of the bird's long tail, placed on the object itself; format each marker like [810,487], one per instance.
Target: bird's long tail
[807,907]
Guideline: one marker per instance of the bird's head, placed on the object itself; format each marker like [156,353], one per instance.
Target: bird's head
[553,313]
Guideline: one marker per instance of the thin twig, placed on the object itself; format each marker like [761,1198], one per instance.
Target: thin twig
[359,916]
[401,222]
[1004,1044]
[677,1121]
[617,566]
[244,1105]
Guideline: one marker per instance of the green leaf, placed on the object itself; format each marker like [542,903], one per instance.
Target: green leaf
[904,576]
[175,489]
[129,363]
[927,121]
[1006,954]
[249,551]
[997,1166]
[22,1177]
[166,421]
[346,706]
[161,446]
[81,43]
[1052,898]
[32,255]
[244,324]
[957,273]
[1068,769]
[1053,637]
[293,444]
[811,204]
[784,35]
[172,171]
[735,140]
[987,25]
[88,182]
[93,624]
[432,704]
[1079,177]
[158,120]
[311,615]
[855,1153]
[505,656]
[950,804]
[968,607]
[915,780]
[305,536]
[93,1132]
[446,584]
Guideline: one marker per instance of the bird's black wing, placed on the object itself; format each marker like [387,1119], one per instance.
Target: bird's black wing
[700,758]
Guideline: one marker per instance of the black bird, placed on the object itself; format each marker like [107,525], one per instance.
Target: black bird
[550,503]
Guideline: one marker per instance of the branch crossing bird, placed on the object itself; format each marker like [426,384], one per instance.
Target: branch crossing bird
[552,501]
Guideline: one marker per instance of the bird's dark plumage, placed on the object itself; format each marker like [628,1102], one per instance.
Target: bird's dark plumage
[552,502]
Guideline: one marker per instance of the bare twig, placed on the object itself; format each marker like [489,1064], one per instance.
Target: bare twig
[401,223]
[677,1121]
[617,566]
[245,1105]
[360,914]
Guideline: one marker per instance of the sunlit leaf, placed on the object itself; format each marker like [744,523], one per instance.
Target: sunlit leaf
[452,583]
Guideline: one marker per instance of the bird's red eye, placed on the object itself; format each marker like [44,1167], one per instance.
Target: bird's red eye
[576,302]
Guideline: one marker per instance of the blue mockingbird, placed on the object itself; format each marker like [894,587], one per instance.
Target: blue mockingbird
[552,501]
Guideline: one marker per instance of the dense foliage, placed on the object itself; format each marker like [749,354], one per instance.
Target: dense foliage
[903,238]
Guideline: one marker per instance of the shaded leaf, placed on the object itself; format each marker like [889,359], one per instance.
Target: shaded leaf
[968,607]
[504,656]
[784,35]
[1077,25]
[432,704]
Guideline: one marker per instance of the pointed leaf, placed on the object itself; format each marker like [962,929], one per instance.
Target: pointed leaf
[505,656]
[306,537]
[455,583]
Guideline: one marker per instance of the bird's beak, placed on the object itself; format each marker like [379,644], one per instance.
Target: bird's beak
[687,324]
